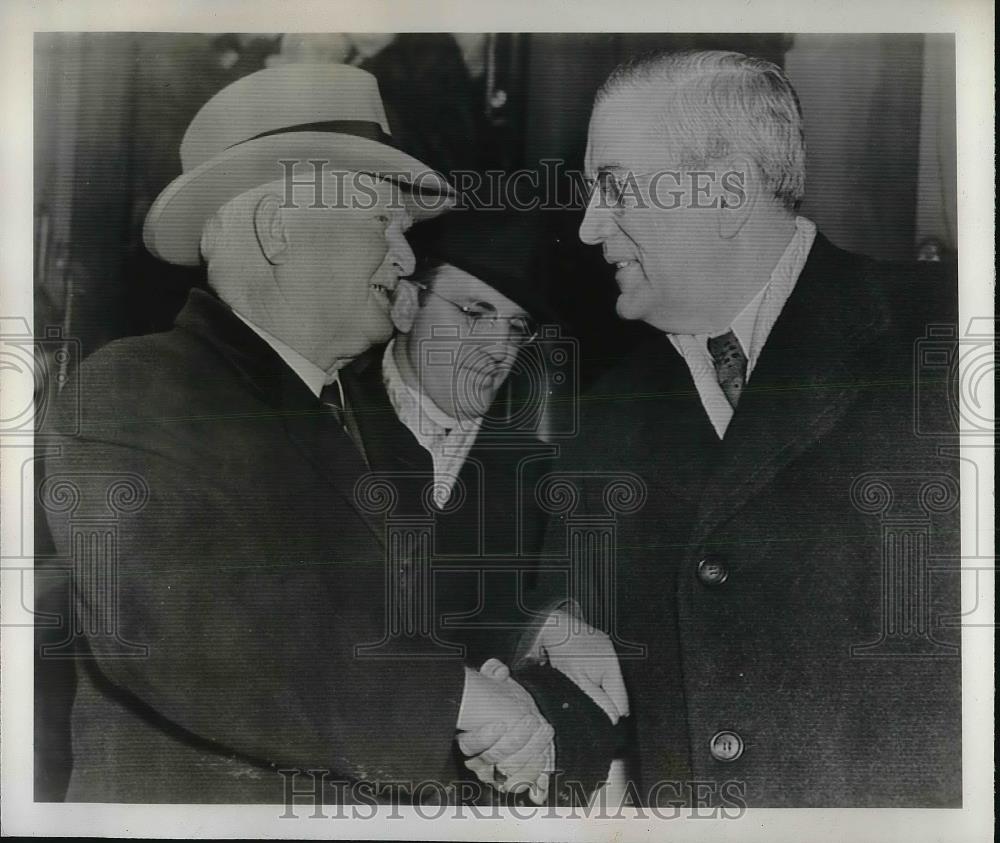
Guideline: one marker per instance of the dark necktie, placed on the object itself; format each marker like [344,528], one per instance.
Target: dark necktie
[334,399]
[730,365]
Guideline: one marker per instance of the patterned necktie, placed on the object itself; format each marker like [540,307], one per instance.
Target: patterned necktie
[730,365]
[335,400]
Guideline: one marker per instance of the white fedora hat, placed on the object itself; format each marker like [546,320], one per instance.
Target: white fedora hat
[300,112]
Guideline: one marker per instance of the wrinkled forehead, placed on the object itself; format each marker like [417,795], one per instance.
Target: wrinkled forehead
[626,132]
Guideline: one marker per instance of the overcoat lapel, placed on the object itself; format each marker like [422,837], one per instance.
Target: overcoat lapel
[315,432]
[390,445]
[308,425]
[663,422]
[811,370]
[486,508]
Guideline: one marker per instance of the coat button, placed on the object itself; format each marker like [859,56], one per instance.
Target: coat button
[726,746]
[712,570]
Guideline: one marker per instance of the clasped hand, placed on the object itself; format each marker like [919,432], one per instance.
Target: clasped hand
[587,656]
[508,743]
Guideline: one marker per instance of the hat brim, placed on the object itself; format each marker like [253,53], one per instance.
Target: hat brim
[172,231]
[524,295]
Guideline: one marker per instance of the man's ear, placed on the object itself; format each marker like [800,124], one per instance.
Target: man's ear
[405,305]
[269,226]
[739,188]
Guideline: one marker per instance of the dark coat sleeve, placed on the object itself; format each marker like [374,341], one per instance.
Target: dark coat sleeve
[250,587]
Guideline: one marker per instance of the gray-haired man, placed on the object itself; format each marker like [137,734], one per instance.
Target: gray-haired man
[792,654]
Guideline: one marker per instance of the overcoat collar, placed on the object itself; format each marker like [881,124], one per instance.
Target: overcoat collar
[812,368]
[390,445]
[649,406]
[309,426]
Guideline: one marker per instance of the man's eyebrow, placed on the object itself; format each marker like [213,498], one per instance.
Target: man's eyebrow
[481,305]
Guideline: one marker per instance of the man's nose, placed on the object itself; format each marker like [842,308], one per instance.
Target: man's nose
[402,253]
[596,221]
[507,348]
[494,340]
[499,356]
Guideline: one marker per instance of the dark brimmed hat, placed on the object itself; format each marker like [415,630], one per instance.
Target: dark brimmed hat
[504,249]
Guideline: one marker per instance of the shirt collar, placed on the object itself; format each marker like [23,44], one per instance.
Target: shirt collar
[414,408]
[745,325]
[753,324]
[311,375]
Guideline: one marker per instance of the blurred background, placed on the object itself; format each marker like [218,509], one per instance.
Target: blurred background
[111,108]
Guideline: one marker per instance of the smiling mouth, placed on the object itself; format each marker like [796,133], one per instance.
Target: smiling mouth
[383,293]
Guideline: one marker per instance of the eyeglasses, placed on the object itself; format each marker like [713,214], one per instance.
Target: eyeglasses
[521,329]
[613,188]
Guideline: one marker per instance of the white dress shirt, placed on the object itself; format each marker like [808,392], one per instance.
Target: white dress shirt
[447,440]
[751,327]
[311,375]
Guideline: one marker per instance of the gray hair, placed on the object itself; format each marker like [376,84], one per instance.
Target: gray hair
[717,103]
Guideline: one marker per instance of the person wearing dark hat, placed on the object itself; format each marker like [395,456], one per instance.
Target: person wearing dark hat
[437,415]
[229,643]
[476,286]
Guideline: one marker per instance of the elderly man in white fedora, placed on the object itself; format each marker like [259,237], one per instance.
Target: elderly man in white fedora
[249,576]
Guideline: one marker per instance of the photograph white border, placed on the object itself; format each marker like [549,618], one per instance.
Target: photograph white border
[970,20]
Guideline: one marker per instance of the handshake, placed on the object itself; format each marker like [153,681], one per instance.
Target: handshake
[507,742]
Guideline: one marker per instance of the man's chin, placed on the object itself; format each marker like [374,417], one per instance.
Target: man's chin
[475,407]
[379,329]
[630,307]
